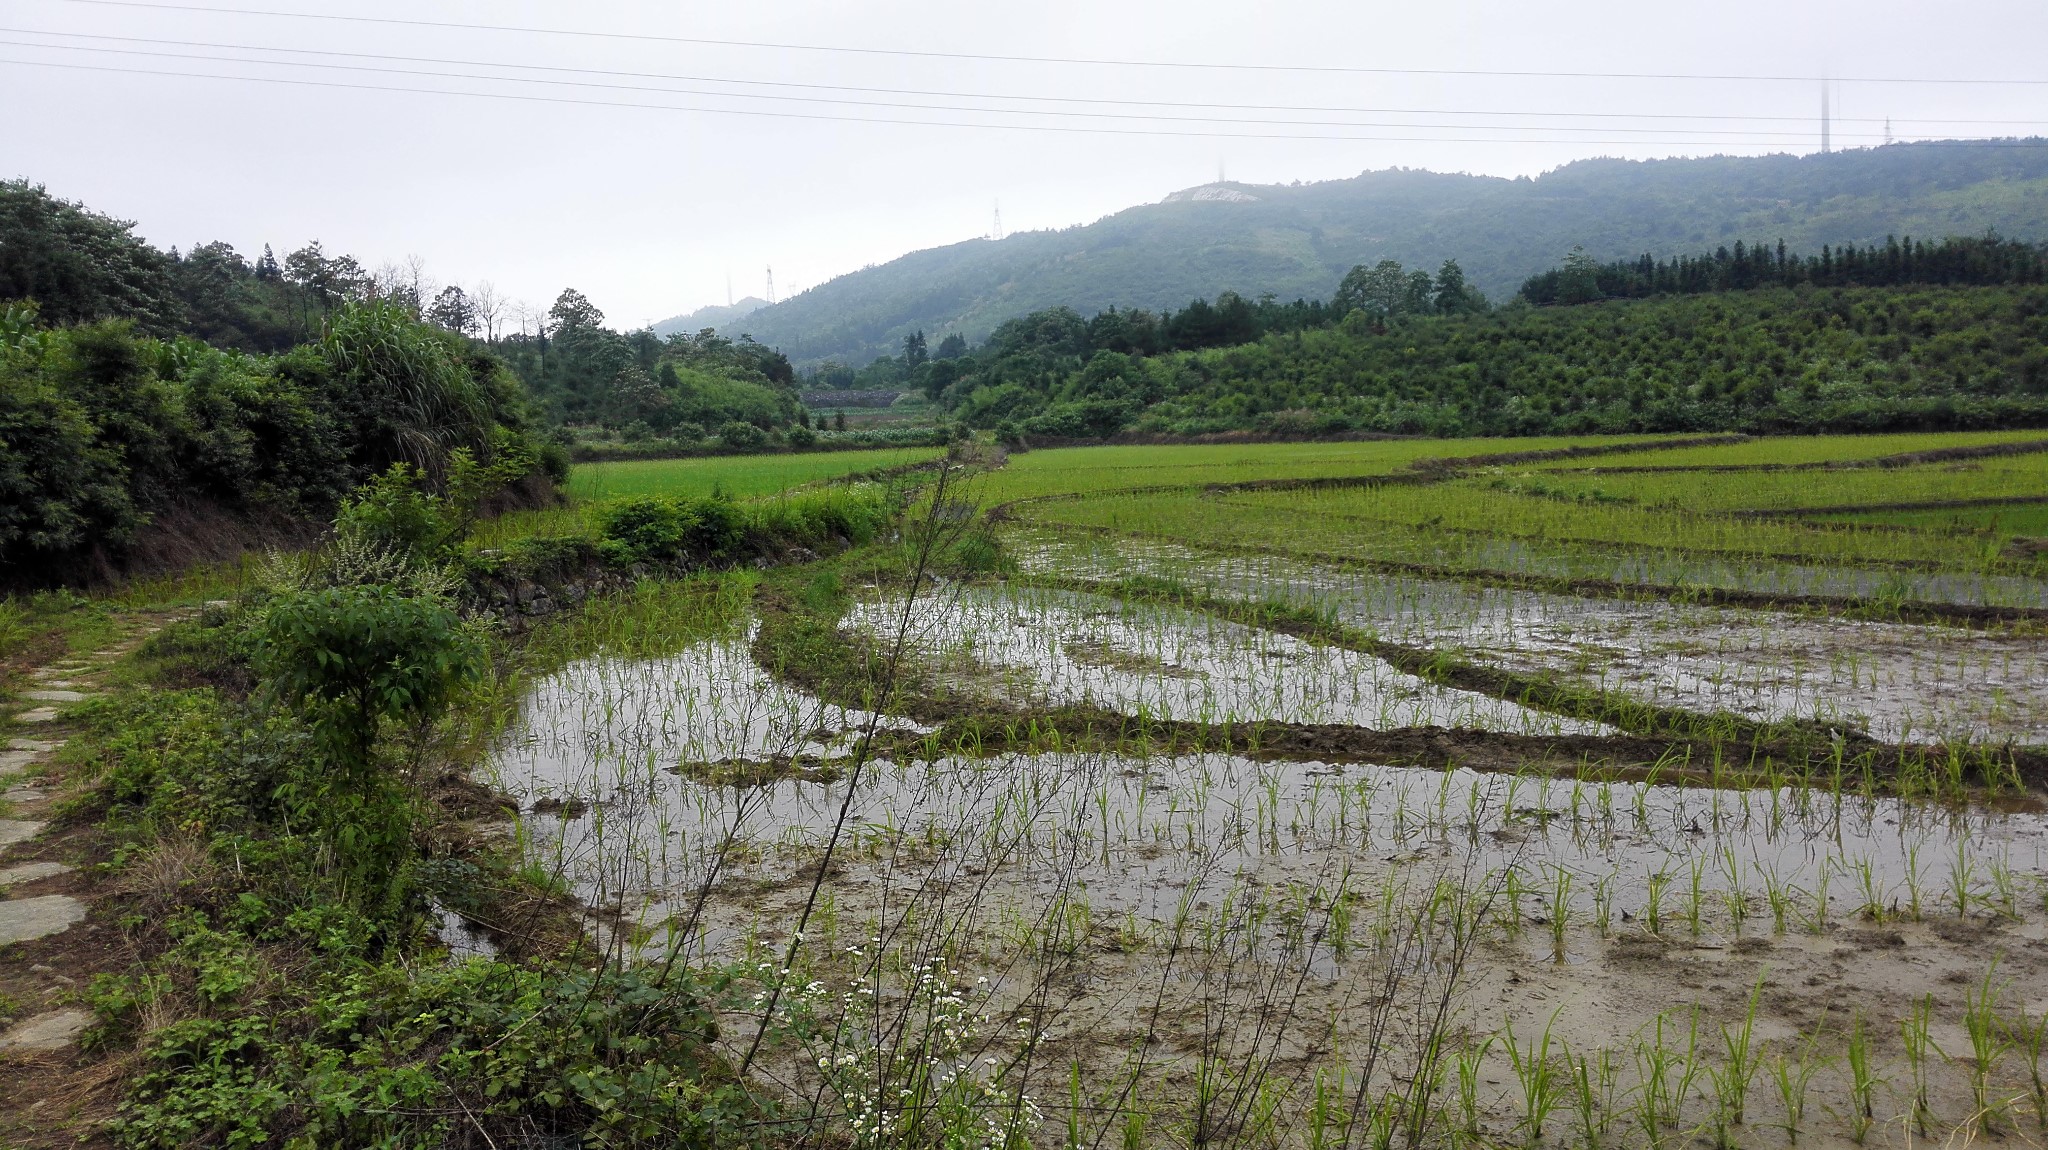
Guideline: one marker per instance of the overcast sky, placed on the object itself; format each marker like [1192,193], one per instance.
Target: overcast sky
[649,210]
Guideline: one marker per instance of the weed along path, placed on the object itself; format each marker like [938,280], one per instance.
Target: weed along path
[47,943]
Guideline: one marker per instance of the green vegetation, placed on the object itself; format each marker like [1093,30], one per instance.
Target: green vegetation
[2027,520]
[1767,361]
[789,799]
[1096,470]
[81,266]
[281,792]
[1801,450]
[1299,241]
[108,430]
[1984,261]
[1708,516]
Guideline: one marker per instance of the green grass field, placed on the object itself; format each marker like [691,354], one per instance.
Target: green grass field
[1090,470]
[2009,519]
[591,485]
[1997,477]
[1796,449]
[741,476]
[1573,517]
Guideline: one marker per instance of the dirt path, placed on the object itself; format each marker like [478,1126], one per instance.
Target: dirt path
[50,943]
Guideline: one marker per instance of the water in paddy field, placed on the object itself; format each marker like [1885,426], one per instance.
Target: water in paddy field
[1896,682]
[1156,837]
[1051,648]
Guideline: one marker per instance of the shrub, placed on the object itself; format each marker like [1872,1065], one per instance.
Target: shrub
[351,658]
[741,436]
[802,437]
[650,528]
[394,512]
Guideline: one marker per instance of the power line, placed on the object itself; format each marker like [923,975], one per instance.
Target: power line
[1069,60]
[939,93]
[903,105]
[1015,127]
[1994,142]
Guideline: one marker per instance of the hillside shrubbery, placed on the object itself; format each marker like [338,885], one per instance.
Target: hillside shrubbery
[1774,359]
[105,427]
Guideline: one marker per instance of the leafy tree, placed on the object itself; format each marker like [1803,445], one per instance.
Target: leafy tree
[1579,282]
[79,265]
[451,309]
[60,488]
[413,393]
[572,309]
[914,350]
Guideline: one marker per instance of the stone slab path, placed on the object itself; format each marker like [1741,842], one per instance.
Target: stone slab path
[30,872]
[27,916]
[51,1030]
[22,919]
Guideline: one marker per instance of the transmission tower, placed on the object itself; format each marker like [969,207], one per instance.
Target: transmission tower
[1825,125]
[998,233]
[771,285]
[1887,129]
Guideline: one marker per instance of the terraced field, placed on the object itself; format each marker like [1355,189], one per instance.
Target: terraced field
[1574,792]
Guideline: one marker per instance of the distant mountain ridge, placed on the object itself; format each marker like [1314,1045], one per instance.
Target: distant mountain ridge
[1298,240]
[711,315]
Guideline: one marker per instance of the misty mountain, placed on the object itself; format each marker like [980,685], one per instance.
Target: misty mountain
[712,315]
[1298,240]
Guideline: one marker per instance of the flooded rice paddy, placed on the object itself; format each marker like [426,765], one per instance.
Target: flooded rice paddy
[1898,682]
[1175,947]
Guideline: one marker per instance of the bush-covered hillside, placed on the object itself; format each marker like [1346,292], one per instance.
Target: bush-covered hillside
[210,396]
[1776,359]
[588,381]
[105,428]
[636,386]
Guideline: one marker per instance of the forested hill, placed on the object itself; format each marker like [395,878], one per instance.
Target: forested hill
[1298,241]
[1774,359]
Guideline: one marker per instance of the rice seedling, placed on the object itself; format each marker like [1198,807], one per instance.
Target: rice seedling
[1793,1072]
[1989,1043]
[1733,1075]
[1560,910]
[1593,1094]
[1913,1033]
[1536,1072]
[2027,1035]
[1862,1081]
[1471,1060]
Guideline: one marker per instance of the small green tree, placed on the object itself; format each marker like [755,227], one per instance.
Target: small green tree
[1579,280]
[741,436]
[351,659]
